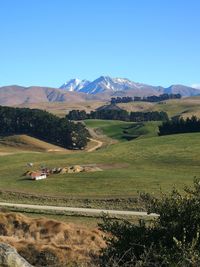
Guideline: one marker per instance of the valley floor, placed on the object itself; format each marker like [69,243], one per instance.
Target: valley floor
[144,164]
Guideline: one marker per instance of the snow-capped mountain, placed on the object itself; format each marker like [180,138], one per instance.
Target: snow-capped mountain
[74,85]
[103,84]
[124,87]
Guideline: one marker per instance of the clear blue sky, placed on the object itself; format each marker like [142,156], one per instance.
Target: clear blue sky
[46,42]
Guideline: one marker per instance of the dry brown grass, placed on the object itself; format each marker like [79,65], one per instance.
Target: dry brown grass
[17,143]
[57,241]
[136,106]
[62,108]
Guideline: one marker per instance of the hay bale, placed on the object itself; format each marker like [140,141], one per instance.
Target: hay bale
[64,170]
[78,168]
[75,169]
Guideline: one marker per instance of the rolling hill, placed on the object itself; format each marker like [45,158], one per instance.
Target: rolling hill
[18,95]
[23,143]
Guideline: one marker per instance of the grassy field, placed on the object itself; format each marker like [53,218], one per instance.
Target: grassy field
[144,164]
[123,131]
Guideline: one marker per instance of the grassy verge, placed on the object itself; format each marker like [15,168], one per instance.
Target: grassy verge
[129,203]
[86,220]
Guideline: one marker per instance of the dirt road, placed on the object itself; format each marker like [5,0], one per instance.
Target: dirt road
[98,145]
[79,210]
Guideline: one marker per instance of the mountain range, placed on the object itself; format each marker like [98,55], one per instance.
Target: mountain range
[106,84]
[76,90]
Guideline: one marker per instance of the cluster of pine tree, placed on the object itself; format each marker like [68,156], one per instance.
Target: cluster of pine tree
[43,125]
[153,98]
[123,115]
[110,114]
[77,115]
[179,125]
[148,116]
[124,99]
[159,98]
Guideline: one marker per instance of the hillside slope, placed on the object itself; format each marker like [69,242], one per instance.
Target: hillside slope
[17,95]
[26,143]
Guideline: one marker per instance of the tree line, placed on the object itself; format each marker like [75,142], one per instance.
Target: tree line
[180,125]
[123,115]
[153,98]
[159,98]
[43,125]
[124,99]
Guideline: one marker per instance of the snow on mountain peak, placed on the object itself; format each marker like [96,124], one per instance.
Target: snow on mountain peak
[74,85]
[101,84]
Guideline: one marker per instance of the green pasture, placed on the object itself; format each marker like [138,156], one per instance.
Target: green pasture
[124,131]
[144,164]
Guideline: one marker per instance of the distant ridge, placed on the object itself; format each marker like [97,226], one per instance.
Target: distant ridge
[18,95]
[76,90]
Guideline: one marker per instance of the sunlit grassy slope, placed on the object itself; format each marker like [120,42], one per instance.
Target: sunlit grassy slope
[144,164]
[184,107]
[24,142]
[124,131]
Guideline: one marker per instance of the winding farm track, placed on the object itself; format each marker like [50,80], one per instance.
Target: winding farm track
[78,210]
[98,145]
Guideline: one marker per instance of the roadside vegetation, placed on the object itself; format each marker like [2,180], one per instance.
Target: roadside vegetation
[172,239]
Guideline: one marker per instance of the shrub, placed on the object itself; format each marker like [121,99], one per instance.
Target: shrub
[172,239]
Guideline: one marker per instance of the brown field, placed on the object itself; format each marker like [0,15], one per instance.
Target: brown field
[184,107]
[62,108]
[41,240]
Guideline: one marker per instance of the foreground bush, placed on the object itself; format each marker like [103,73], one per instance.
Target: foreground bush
[172,239]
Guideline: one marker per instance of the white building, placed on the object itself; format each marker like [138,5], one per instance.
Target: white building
[38,176]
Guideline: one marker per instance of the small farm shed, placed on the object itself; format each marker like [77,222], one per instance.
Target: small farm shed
[37,176]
